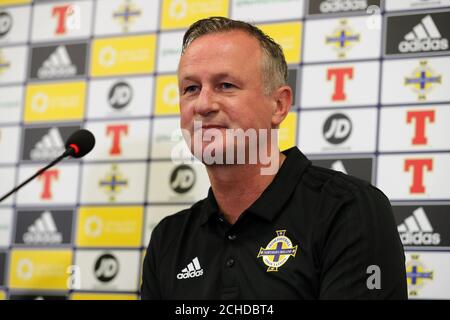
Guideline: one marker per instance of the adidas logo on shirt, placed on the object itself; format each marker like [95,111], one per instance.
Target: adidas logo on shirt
[424,37]
[58,64]
[50,146]
[339,166]
[43,230]
[417,230]
[193,270]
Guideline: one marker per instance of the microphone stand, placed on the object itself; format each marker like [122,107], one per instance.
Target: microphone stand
[68,152]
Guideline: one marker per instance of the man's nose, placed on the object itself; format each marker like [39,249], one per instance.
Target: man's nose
[206,102]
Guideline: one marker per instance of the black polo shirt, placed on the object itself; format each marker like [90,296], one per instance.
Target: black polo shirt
[314,233]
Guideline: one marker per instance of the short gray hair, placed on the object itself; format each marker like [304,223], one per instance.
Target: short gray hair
[274,68]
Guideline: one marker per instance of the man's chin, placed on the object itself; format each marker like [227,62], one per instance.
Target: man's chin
[212,154]
[209,154]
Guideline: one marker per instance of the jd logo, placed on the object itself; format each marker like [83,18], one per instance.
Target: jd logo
[337,128]
[120,95]
[106,268]
[182,179]
[5,23]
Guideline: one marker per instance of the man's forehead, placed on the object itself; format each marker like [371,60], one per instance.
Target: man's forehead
[225,48]
[214,75]
[221,43]
[225,36]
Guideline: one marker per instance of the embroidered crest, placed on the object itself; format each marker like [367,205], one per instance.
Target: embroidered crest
[277,252]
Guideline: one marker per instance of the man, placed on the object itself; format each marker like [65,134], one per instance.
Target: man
[294,232]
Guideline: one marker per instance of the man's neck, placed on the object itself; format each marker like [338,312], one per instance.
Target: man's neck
[236,187]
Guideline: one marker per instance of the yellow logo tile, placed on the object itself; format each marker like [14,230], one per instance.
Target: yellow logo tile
[55,101]
[182,13]
[40,269]
[288,35]
[288,131]
[109,226]
[125,55]
[167,96]
[2,295]
[10,2]
[102,296]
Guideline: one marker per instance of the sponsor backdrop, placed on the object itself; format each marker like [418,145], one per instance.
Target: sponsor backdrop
[372,99]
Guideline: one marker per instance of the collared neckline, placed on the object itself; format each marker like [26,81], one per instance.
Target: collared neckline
[273,198]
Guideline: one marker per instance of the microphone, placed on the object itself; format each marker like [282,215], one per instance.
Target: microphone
[79,144]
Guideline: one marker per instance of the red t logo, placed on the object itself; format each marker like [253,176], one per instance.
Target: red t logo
[339,74]
[61,13]
[420,120]
[418,166]
[47,177]
[116,131]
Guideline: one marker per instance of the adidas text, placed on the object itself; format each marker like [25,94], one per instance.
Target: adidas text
[423,45]
[42,237]
[192,274]
[420,238]
[342,5]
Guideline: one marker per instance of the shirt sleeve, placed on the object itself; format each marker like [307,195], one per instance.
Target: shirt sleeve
[361,254]
[150,289]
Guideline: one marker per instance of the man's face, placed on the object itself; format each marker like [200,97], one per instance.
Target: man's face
[220,84]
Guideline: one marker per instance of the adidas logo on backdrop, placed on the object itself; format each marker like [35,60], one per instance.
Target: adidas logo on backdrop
[58,64]
[43,230]
[50,146]
[424,37]
[417,230]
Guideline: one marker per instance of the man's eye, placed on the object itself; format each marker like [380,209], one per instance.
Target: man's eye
[226,85]
[190,89]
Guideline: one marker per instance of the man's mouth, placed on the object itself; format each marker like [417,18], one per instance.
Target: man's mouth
[213,126]
[205,126]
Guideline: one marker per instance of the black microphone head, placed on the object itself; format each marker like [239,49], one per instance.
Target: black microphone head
[80,143]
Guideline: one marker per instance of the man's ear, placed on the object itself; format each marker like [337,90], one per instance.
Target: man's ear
[282,104]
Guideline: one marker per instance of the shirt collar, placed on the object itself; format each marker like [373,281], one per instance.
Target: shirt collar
[273,198]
